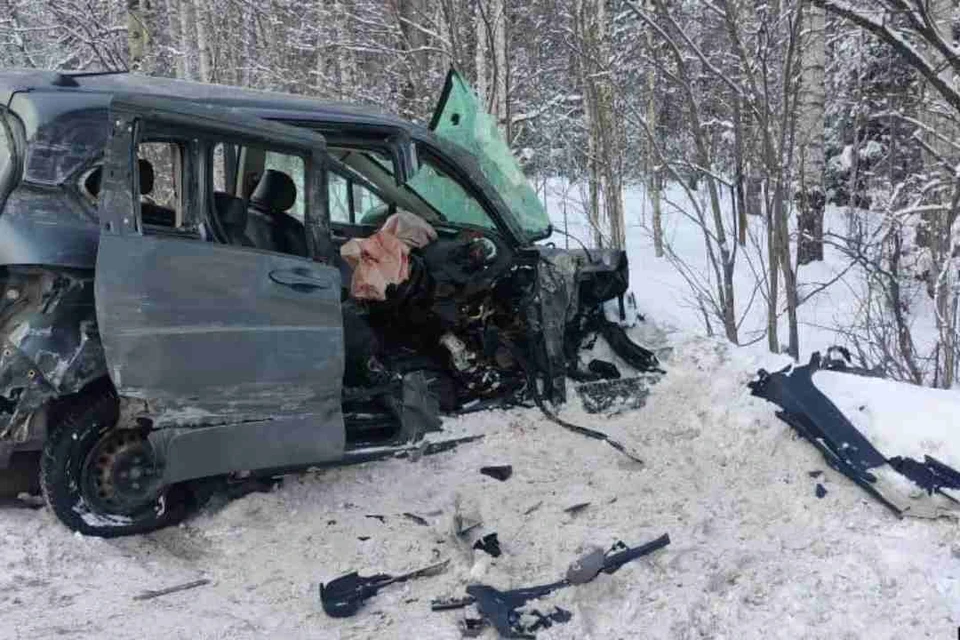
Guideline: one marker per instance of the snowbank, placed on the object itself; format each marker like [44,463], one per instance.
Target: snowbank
[899,419]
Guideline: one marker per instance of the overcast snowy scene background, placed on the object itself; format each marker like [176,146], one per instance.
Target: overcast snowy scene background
[783,177]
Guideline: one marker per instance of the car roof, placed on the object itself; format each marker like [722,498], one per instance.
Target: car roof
[265,104]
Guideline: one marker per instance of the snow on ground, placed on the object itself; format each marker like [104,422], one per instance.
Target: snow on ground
[754,554]
[898,419]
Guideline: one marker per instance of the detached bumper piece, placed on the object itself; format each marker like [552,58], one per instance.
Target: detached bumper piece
[502,609]
[811,413]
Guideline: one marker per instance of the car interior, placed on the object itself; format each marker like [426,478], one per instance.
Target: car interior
[435,321]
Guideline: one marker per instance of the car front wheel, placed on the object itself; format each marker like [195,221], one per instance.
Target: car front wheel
[101,479]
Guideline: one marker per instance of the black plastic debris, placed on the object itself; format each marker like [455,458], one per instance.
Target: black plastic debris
[533,508]
[815,474]
[376,516]
[498,472]
[640,358]
[472,627]
[820,422]
[605,370]
[820,490]
[931,474]
[342,597]
[489,544]
[417,519]
[148,595]
[499,608]
[811,413]
[576,508]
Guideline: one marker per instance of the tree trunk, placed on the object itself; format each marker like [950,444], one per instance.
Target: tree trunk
[203,41]
[738,193]
[414,40]
[812,198]
[653,173]
[604,133]
[249,45]
[480,54]
[184,40]
[138,34]
[498,15]
[773,274]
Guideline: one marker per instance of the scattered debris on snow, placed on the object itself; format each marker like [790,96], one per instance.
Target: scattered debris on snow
[750,554]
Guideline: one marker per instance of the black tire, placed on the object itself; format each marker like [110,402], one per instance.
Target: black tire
[65,455]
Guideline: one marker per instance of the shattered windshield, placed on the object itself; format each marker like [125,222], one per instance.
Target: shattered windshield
[461,119]
[446,196]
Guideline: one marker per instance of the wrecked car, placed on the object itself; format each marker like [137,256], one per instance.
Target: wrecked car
[203,280]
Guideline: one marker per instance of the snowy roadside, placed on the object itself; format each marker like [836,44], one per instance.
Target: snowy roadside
[754,553]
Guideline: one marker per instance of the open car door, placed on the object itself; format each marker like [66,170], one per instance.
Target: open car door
[233,355]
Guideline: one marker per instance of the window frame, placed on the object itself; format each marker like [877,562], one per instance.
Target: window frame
[137,116]
[11,129]
[207,145]
[180,210]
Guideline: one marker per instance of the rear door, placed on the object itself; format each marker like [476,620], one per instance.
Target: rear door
[200,333]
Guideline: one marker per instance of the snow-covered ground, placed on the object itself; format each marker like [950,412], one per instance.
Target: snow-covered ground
[755,554]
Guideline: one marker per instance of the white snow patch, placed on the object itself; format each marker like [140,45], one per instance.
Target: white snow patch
[898,419]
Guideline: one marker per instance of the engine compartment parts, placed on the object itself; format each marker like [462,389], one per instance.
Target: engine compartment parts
[500,609]
[342,597]
[818,420]
[611,397]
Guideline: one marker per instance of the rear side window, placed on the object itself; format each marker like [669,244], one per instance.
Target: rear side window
[158,166]
[163,158]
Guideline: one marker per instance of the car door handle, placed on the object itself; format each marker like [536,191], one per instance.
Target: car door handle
[299,279]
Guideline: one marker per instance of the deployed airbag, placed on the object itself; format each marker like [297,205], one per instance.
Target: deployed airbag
[384,258]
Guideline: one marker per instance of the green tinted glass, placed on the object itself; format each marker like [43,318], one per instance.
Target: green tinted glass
[448,197]
[463,120]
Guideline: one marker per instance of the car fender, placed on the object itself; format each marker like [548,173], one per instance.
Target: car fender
[50,347]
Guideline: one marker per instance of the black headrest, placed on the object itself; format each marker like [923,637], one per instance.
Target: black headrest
[146,176]
[275,192]
[92,182]
[232,212]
